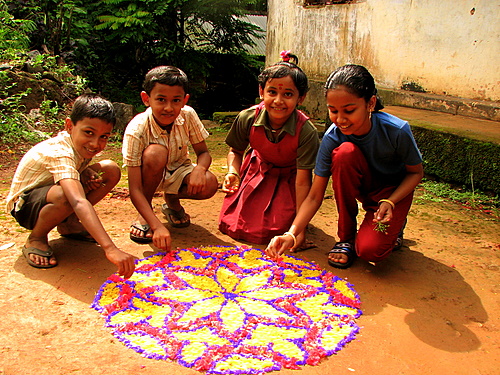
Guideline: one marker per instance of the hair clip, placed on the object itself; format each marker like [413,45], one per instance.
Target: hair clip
[285,55]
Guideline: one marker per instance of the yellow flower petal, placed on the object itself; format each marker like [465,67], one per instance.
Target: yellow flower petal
[202,309]
[199,281]
[232,317]
[269,294]
[259,308]
[253,282]
[227,279]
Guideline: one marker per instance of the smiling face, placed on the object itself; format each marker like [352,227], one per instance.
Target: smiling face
[166,102]
[89,135]
[281,97]
[349,112]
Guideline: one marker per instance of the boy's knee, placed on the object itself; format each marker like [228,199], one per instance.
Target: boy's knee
[212,185]
[152,154]
[112,172]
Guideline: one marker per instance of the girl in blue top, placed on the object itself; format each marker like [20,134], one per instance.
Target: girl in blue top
[372,158]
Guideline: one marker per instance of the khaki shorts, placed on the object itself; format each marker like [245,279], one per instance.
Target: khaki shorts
[172,180]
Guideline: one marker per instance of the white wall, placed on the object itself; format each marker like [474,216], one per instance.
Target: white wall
[441,45]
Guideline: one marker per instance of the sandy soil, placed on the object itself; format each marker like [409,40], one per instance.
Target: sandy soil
[431,308]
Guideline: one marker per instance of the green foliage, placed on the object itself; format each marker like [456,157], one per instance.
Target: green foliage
[461,195]
[459,160]
[13,32]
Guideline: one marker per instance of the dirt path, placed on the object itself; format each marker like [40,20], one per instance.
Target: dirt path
[431,308]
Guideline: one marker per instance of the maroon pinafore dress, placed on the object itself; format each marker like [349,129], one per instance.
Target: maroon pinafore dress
[265,204]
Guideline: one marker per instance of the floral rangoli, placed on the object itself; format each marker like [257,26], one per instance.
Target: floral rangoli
[230,310]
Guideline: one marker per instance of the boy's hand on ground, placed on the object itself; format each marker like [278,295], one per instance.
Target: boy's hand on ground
[197,181]
[162,239]
[123,260]
[91,180]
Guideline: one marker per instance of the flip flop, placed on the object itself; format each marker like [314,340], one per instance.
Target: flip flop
[144,228]
[80,236]
[179,215]
[342,248]
[33,250]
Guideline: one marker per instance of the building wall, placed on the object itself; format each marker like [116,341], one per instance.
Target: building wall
[446,47]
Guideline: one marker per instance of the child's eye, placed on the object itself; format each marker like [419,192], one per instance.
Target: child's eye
[105,137]
[349,111]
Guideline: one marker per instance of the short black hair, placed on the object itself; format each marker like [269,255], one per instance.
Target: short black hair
[93,106]
[167,75]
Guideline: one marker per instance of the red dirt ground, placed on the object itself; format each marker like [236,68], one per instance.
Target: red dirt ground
[430,308]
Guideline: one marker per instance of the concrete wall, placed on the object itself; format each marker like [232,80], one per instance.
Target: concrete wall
[446,47]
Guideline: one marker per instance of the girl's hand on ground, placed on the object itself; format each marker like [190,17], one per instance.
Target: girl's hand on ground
[231,183]
[123,260]
[278,246]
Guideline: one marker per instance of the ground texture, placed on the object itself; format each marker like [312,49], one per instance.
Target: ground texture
[431,308]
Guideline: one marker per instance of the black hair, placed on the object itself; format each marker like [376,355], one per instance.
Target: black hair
[357,80]
[93,106]
[284,69]
[167,75]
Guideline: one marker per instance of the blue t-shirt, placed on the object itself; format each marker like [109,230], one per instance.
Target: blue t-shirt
[388,147]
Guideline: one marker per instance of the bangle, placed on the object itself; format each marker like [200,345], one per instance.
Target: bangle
[293,236]
[388,201]
[233,173]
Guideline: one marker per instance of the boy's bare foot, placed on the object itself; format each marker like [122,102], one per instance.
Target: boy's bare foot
[39,254]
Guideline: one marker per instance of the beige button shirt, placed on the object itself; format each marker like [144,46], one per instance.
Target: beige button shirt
[143,131]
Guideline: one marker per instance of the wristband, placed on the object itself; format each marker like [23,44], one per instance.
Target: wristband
[293,236]
[233,173]
[388,201]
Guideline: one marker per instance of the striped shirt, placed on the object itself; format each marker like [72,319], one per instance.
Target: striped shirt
[46,163]
[143,130]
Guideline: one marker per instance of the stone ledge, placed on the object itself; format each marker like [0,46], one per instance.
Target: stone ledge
[439,103]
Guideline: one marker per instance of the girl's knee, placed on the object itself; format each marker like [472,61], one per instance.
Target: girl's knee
[373,252]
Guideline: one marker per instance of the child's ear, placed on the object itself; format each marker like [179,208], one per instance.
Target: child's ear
[261,93]
[372,103]
[186,98]
[301,99]
[145,98]
[68,125]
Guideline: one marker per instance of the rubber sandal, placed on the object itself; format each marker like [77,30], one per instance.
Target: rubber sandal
[80,236]
[179,215]
[144,228]
[342,248]
[33,250]
[399,241]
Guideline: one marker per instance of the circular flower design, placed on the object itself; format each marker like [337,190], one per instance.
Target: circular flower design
[230,310]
